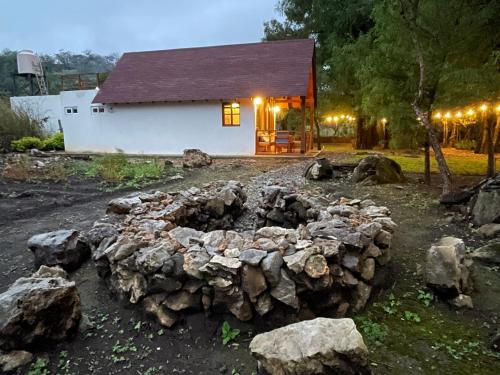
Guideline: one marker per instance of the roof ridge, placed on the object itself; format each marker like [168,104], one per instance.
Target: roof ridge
[223,45]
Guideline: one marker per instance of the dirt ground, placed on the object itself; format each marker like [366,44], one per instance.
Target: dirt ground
[125,341]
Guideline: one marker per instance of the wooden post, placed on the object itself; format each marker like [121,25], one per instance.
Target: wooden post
[303,125]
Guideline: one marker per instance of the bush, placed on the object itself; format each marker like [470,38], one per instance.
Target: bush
[26,143]
[466,144]
[54,142]
[16,124]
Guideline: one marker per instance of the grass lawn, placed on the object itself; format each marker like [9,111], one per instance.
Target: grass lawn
[460,162]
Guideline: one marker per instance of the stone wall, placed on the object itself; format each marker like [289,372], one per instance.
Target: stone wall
[322,257]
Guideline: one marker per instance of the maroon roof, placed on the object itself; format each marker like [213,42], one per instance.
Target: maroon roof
[272,69]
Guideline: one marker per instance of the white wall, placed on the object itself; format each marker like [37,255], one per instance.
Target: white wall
[163,129]
[46,106]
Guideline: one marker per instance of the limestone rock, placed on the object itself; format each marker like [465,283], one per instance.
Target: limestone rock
[14,359]
[252,256]
[194,259]
[316,266]
[320,169]
[66,248]
[28,308]
[183,300]
[271,266]
[489,230]
[377,169]
[486,208]
[285,291]
[304,348]
[489,253]
[253,282]
[194,158]
[123,205]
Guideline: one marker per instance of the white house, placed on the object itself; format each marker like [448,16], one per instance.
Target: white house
[223,100]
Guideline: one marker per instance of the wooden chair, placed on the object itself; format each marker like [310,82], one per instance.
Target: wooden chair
[283,140]
[265,141]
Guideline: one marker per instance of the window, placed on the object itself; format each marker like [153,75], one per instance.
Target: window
[97,109]
[70,110]
[231,114]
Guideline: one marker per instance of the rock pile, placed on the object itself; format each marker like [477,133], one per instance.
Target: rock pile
[328,262]
[447,271]
[319,346]
[43,307]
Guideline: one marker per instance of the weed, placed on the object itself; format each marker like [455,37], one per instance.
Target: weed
[138,326]
[411,317]
[391,307]
[126,347]
[373,332]
[39,367]
[228,333]
[235,372]
[459,349]
[160,332]
[63,364]
[425,297]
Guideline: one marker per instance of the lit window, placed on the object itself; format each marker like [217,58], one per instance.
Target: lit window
[231,114]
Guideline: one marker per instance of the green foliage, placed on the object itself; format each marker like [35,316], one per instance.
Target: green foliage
[391,307]
[425,297]
[411,317]
[26,143]
[17,124]
[466,144]
[375,333]
[39,367]
[228,333]
[461,349]
[126,347]
[54,142]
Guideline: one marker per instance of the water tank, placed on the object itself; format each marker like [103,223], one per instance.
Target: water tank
[28,63]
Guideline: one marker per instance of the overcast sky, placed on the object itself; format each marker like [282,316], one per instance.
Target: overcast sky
[107,26]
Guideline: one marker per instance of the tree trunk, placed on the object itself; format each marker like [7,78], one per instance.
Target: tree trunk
[427,164]
[484,138]
[491,148]
[496,133]
[445,134]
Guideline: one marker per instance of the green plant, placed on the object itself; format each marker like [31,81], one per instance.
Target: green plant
[411,317]
[54,142]
[391,307]
[111,165]
[425,297]
[465,144]
[373,332]
[128,346]
[228,333]
[460,349]
[26,143]
[39,367]
[17,124]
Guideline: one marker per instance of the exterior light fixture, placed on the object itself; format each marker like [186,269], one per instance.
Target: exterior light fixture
[257,100]
[276,109]
[447,115]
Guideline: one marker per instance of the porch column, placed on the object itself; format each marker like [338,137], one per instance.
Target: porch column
[303,125]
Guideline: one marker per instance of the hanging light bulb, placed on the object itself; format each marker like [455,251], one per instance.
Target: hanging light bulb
[447,115]
[438,115]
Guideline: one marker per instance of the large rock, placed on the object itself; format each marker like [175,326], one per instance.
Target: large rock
[447,268]
[194,158]
[66,248]
[319,346]
[377,169]
[14,359]
[38,309]
[486,207]
[320,169]
[489,253]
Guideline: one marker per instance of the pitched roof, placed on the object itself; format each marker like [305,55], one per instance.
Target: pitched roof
[273,69]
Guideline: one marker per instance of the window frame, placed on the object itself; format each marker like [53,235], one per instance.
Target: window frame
[230,105]
[71,110]
[97,109]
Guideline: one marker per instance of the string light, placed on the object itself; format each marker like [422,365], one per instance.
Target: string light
[447,115]
[384,120]
[470,112]
[438,115]
[459,114]
[329,119]
[483,108]
[335,118]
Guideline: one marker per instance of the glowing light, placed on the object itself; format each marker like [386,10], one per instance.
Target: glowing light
[438,115]
[353,118]
[336,118]
[257,100]
[97,88]
[459,114]
[342,116]
[276,109]
[498,108]
[384,120]
[483,108]
[447,115]
[470,112]
[235,105]
[329,119]
[418,119]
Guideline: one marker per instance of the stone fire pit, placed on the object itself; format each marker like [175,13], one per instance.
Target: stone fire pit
[176,252]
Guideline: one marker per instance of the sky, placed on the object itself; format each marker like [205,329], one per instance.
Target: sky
[108,26]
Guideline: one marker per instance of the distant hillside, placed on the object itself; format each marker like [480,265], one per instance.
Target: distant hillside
[54,65]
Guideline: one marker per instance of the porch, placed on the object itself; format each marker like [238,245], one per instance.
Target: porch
[285,125]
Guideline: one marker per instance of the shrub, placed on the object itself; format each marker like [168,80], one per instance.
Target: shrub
[54,142]
[17,124]
[465,144]
[26,143]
